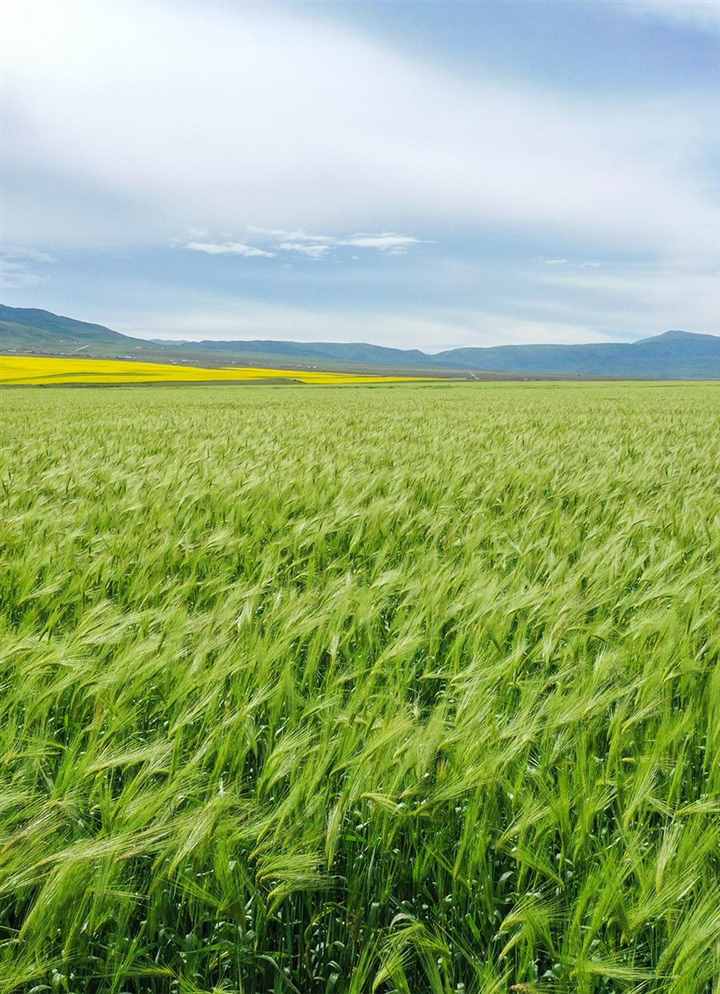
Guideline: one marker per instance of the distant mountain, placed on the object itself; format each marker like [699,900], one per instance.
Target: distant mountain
[24,329]
[354,352]
[672,355]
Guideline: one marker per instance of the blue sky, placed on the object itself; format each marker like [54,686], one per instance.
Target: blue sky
[428,174]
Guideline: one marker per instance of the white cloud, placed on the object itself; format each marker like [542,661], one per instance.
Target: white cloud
[318,245]
[387,242]
[312,251]
[578,264]
[212,129]
[294,236]
[228,248]
[312,246]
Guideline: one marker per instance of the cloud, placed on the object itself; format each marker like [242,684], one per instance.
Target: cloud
[576,264]
[294,236]
[248,319]
[14,276]
[703,14]
[18,267]
[313,246]
[318,245]
[211,129]
[228,248]
[269,132]
[312,251]
[387,242]
[25,254]
[643,299]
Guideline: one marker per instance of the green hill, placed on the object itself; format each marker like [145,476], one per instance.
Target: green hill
[31,330]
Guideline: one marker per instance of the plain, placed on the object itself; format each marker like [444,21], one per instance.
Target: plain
[412,688]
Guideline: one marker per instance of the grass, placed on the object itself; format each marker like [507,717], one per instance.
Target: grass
[410,689]
[47,371]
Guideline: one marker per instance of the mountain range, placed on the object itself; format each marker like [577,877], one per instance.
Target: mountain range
[671,355]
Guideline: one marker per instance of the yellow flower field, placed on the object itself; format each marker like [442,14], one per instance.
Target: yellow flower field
[39,371]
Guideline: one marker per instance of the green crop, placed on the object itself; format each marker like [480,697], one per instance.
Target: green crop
[410,689]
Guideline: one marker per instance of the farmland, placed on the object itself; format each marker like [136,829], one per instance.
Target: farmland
[52,370]
[406,689]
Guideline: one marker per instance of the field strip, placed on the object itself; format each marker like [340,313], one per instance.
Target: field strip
[46,371]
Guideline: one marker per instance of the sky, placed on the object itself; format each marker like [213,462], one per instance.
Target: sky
[414,173]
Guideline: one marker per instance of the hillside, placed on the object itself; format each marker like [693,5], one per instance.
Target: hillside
[354,352]
[672,355]
[26,329]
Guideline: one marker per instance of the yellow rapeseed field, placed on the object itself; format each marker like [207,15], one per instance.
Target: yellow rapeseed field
[39,370]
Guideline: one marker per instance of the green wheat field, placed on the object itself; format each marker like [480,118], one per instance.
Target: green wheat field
[405,689]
